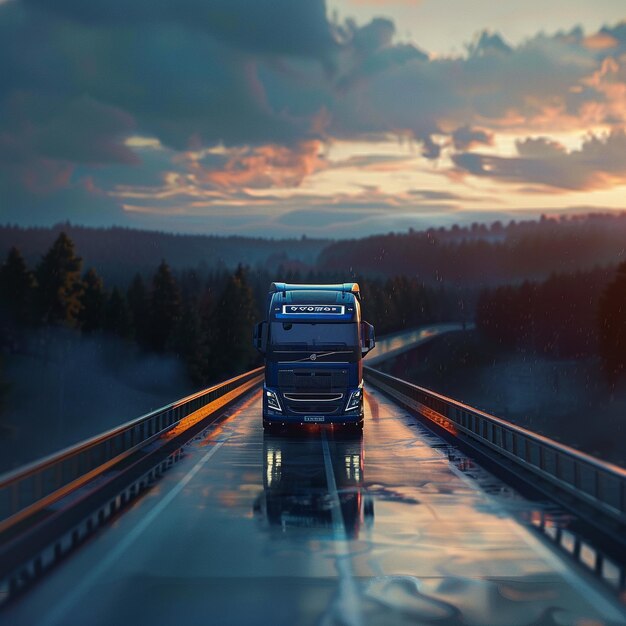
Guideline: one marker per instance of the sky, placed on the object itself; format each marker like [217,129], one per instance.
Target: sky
[288,117]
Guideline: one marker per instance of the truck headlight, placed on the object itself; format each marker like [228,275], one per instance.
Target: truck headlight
[272,400]
[354,402]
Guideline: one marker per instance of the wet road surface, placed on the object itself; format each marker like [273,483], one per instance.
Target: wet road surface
[318,529]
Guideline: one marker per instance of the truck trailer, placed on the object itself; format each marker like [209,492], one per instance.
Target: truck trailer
[313,341]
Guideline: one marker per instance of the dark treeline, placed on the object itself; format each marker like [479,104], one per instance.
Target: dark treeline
[205,322]
[478,255]
[113,250]
[611,321]
[567,316]
[205,318]
[483,255]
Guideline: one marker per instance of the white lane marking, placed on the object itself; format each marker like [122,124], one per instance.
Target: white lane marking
[58,613]
[348,601]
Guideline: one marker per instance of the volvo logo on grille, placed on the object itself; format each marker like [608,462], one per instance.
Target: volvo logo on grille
[313,357]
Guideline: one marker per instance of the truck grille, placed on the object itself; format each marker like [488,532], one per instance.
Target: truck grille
[314,397]
[303,380]
[302,408]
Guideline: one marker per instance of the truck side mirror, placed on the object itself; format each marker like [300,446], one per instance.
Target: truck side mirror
[367,338]
[260,337]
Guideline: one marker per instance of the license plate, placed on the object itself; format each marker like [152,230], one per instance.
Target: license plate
[314,418]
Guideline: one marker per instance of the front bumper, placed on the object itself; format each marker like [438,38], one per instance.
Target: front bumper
[311,408]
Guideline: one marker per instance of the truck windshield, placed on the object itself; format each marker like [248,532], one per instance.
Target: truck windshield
[302,336]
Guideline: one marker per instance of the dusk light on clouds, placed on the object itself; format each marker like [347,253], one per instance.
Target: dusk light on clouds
[284,117]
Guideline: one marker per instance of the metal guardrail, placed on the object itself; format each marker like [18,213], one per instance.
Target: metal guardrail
[44,481]
[601,485]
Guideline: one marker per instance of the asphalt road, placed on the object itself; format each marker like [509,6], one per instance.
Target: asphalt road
[393,528]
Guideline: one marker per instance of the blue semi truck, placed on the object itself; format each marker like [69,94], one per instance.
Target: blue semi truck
[313,341]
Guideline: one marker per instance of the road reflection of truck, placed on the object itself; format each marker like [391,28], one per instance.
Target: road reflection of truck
[295,485]
[313,341]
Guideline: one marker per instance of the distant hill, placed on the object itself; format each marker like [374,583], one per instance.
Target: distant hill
[476,256]
[483,255]
[117,253]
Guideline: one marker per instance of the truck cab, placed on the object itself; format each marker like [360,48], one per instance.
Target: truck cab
[313,341]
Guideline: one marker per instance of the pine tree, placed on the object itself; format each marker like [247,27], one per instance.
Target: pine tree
[234,317]
[58,277]
[92,303]
[187,341]
[165,308]
[203,363]
[117,318]
[17,289]
[612,326]
[137,298]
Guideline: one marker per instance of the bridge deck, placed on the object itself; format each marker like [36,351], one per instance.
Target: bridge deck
[257,529]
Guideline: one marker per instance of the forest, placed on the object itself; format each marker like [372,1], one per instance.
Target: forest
[567,316]
[470,257]
[204,318]
[487,255]
[146,333]
[202,313]
[113,250]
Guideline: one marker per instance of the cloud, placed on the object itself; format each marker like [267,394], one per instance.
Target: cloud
[257,87]
[431,149]
[291,27]
[75,201]
[261,167]
[466,137]
[433,194]
[193,201]
[185,79]
[495,86]
[374,162]
[366,51]
[80,130]
[251,72]
[307,219]
[487,43]
[344,215]
[598,164]
[83,77]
